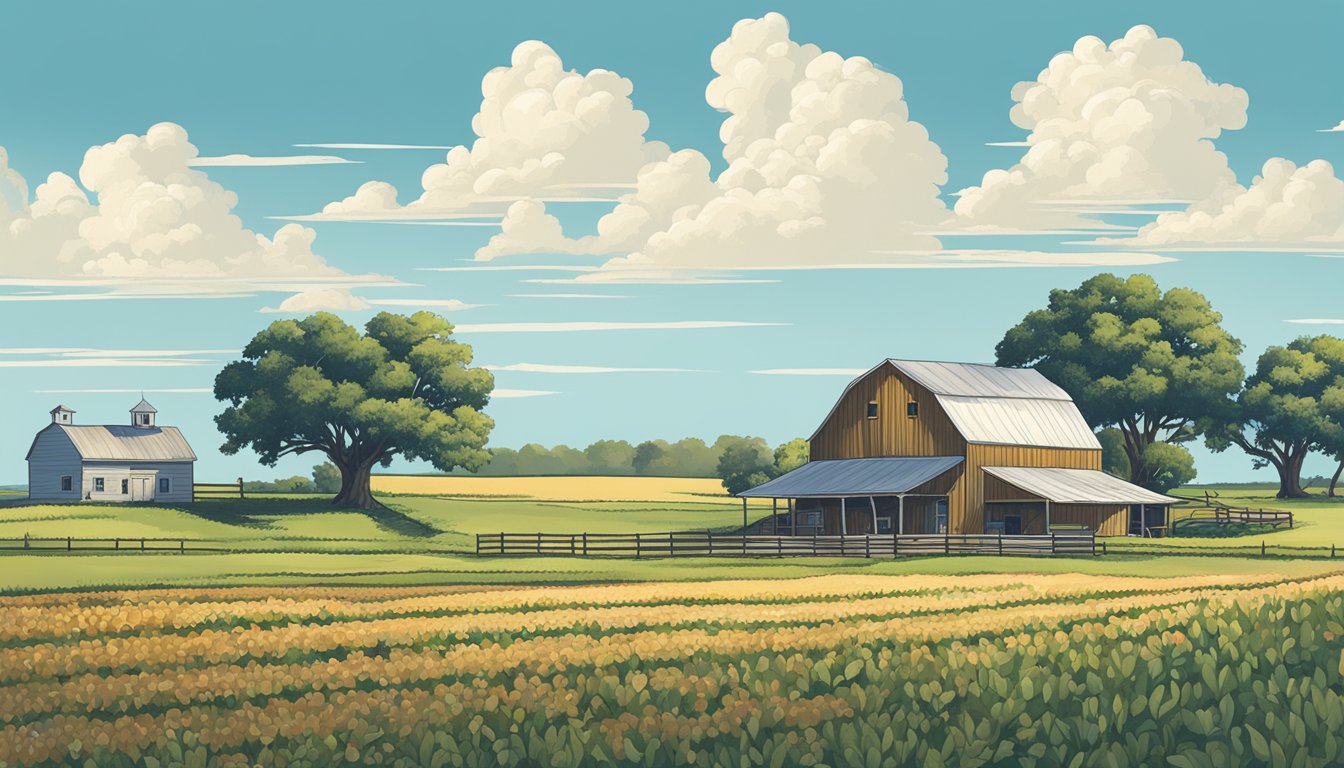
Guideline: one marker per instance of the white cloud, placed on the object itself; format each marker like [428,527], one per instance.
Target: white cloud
[824,166]
[810,372]
[1317,321]
[1336,129]
[153,219]
[250,161]
[116,296]
[541,132]
[90,352]
[577,327]
[565,369]
[445,305]
[568,296]
[103,362]
[515,393]
[373,146]
[320,299]
[1284,208]
[1132,120]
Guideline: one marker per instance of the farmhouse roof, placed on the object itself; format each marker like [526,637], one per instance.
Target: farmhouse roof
[118,443]
[882,476]
[996,406]
[1077,486]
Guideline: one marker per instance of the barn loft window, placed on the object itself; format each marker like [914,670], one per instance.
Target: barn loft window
[872,410]
[67,482]
[98,484]
[912,409]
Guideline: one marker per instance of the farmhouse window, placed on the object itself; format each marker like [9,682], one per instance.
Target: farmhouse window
[163,485]
[872,410]
[144,418]
[125,487]
[98,484]
[912,409]
[811,517]
[67,482]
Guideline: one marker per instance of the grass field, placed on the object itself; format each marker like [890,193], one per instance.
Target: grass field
[838,670]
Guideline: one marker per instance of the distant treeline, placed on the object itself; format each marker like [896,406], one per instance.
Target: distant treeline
[326,478]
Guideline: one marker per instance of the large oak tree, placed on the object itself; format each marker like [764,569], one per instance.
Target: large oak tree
[1157,366]
[1291,405]
[403,387]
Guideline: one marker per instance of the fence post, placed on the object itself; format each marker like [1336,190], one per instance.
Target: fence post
[501,542]
[571,545]
[142,544]
[779,545]
[585,543]
[116,543]
[1262,547]
[1052,543]
[637,553]
[1332,551]
[182,546]
[895,543]
[240,487]
[1000,543]
[68,543]
[868,547]
[947,542]
[814,544]
[538,542]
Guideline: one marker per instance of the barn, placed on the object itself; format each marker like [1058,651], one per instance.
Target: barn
[933,447]
[137,462]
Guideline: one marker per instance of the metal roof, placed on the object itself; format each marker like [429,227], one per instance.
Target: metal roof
[117,443]
[144,407]
[1018,421]
[995,406]
[881,476]
[1077,486]
[979,380]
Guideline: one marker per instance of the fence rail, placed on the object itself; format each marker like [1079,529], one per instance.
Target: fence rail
[206,491]
[694,544]
[44,544]
[1210,511]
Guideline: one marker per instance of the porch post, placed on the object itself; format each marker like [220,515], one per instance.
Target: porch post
[1047,517]
[744,515]
[774,517]
[900,514]
[844,525]
[872,504]
[793,517]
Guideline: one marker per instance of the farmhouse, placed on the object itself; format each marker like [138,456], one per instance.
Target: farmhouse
[931,447]
[137,462]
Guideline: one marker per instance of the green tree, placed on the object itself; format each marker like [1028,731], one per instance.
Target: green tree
[404,387]
[1157,366]
[326,478]
[648,454]
[1289,407]
[610,457]
[746,462]
[1113,458]
[1171,465]
[791,455]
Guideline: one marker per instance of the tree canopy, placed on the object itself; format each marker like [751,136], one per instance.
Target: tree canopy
[1291,405]
[1157,366]
[403,387]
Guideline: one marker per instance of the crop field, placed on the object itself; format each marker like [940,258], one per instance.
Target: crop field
[991,670]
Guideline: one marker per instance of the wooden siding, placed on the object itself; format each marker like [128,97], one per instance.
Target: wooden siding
[52,457]
[180,476]
[968,506]
[850,434]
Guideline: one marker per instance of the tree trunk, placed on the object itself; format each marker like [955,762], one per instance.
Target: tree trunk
[1335,479]
[1290,476]
[355,491]
[1135,443]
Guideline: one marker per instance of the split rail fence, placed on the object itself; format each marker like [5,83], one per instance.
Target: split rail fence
[695,544]
[208,491]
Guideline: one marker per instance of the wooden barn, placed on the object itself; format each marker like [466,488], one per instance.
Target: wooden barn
[931,447]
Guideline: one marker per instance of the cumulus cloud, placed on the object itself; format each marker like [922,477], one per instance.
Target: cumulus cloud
[320,299]
[1285,207]
[151,216]
[1129,121]
[542,131]
[824,166]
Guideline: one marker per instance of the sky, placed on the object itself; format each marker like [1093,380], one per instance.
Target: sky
[650,222]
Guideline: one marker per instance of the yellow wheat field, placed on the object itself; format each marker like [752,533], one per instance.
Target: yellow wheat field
[567,488]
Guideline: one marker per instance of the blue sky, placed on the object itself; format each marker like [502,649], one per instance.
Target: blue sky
[259,79]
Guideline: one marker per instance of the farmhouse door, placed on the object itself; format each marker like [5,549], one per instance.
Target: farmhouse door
[142,488]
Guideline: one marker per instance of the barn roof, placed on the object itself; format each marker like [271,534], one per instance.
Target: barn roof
[996,406]
[118,443]
[1077,486]
[854,477]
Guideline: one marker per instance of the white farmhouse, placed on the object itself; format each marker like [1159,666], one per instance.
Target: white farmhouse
[140,462]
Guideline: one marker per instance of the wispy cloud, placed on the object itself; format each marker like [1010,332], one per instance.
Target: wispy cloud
[169,391]
[90,352]
[578,327]
[252,161]
[101,362]
[810,371]
[1317,321]
[516,393]
[548,368]
[448,305]
[512,268]
[373,146]
[118,296]
[1336,129]
[82,357]
[1006,144]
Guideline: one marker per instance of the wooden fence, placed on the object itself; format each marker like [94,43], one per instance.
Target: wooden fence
[43,545]
[695,544]
[1210,511]
[207,491]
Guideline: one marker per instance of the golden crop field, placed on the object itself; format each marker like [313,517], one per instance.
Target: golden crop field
[558,488]
[999,670]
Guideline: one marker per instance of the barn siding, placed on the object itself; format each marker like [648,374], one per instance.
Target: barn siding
[180,474]
[51,457]
[850,434]
[969,516]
